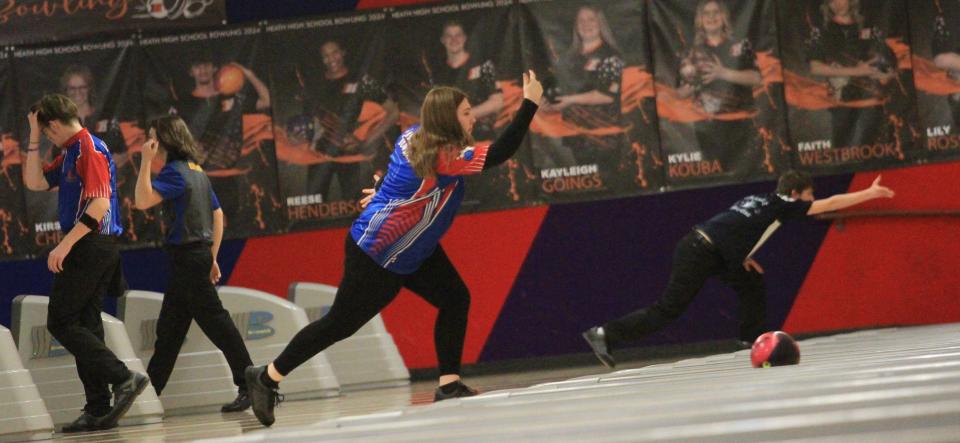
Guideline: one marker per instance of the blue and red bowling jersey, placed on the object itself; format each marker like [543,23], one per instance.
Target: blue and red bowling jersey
[83,171]
[404,222]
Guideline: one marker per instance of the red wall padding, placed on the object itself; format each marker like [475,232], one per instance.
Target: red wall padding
[488,250]
[895,271]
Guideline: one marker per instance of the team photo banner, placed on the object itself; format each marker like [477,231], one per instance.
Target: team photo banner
[295,118]
[719,90]
[473,46]
[334,119]
[15,229]
[595,134]
[216,81]
[96,76]
[849,84]
[935,36]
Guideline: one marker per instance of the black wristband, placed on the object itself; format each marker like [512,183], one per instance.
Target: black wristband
[90,222]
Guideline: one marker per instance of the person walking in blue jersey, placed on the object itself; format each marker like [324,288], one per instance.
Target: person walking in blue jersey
[394,243]
[723,247]
[86,262]
[194,224]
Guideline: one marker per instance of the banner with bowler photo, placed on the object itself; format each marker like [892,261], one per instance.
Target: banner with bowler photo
[217,82]
[849,84]
[595,134]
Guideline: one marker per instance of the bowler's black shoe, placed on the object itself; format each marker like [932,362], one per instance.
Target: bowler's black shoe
[453,390]
[263,398]
[84,423]
[124,394]
[597,340]
[241,403]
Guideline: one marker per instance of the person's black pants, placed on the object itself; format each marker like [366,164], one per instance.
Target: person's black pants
[367,288]
[73,316]
[727,141]
[694,261]
[858,126]
[190,296]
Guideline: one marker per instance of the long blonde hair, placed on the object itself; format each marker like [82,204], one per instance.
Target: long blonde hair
[439,130]
[700,36]
[828,13]
[576,45]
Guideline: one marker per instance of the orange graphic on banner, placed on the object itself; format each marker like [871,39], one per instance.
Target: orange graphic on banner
[370,116]
[133,136]
[11,157]
[256,128]
[684,110]
[553,125]
[5,219]
[805,93]
[636,85]
[406,120]
[771,70]
[298,153]
[902,51]
[512,98]
[933,80]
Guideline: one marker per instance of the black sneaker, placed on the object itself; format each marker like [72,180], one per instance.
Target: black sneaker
[84,423]
[124,394]
[597,340]
[241,403]
[453,390]
[263,398]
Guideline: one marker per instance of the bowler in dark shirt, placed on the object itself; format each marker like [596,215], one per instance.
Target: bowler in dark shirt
[723,247]
[194,229]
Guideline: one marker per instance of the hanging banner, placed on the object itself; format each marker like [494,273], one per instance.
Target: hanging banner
[96,76]
[719,90]
[27,21]
[472,46]
[848,84]
[335,118]
[15,229]
[935,40]
[595,135]
[216,82]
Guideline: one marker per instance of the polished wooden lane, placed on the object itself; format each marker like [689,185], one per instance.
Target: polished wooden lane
[292,414]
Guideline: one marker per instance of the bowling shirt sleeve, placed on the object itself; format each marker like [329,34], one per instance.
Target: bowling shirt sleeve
[51,172]
[469,160]
[214,201]
[512,137]
[169,183]
[94,171]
